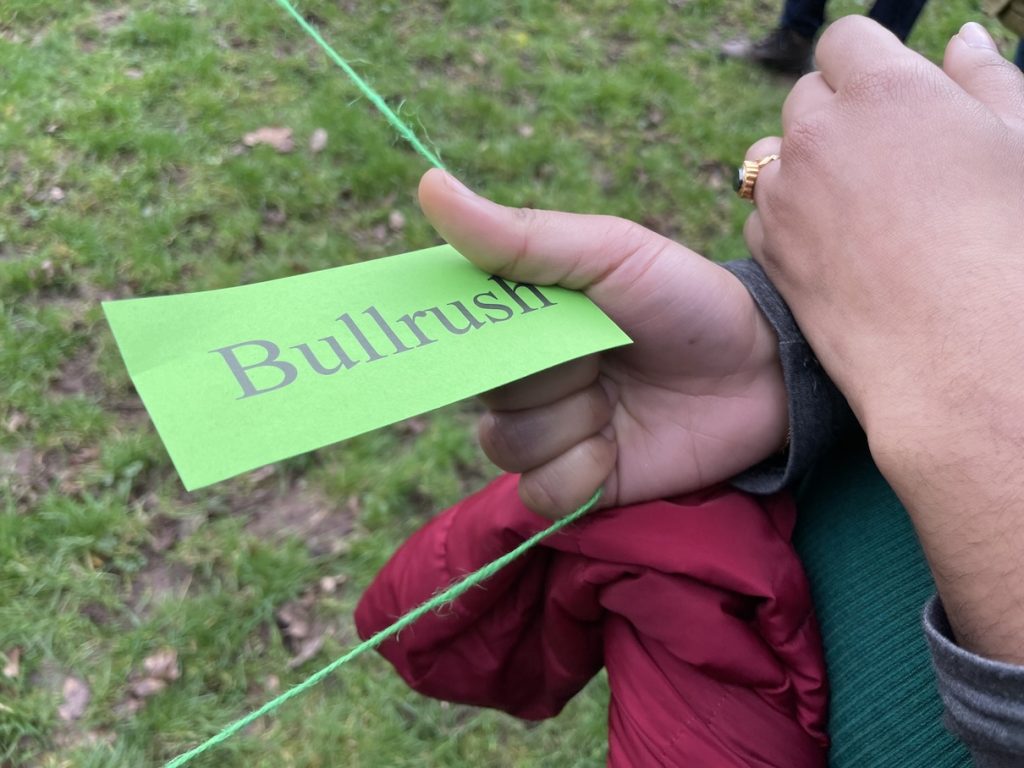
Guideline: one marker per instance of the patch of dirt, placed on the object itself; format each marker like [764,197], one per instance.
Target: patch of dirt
[303,512]
[159,580]
[20,473]
[28,473]
[78,375]
[716,174]
[111,19]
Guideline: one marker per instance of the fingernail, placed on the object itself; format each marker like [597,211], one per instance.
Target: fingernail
[458,186]
[976,36]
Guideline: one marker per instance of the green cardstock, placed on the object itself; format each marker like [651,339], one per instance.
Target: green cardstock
[241,377]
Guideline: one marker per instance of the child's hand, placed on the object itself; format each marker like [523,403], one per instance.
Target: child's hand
[698,396]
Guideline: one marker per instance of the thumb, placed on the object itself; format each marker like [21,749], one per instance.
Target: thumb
[543,247]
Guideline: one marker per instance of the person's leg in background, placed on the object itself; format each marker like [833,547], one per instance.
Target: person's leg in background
[805,17]
[898,16]
[1019,58]
[788,47]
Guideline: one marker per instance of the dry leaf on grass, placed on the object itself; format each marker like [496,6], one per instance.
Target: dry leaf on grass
[318,141]
[307,650]
[279,138]
[76,699]
[147,686]
[303,635]
[12,668]
[15,421]
[163,665]
[396,221]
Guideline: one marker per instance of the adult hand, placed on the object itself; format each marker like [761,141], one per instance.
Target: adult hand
[695,399]
[892,227]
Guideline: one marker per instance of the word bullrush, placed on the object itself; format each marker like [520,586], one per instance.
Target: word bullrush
[260,366]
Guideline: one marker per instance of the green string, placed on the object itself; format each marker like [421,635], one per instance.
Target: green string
[459,587]
[403,130]
[453,592]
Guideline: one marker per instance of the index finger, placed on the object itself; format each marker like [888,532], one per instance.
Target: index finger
[544,387]
[855,45]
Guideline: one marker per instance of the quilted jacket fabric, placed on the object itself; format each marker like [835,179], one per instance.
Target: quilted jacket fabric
[697,606]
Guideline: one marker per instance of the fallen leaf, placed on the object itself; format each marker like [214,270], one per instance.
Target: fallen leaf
[396,221]
[76,699]
[147,686]
[133,73]
[303,636]
[526,131]
[127,708]
[318,141]
[307,650]
[328,585]
[278,138]
[55,195]
[275,217]
[15,421]
[12,668]
[294,621]
[163,664]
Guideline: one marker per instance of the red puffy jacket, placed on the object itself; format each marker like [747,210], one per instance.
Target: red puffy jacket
[697,607]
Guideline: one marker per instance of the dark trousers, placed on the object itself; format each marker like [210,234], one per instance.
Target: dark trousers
[1019,60]
[806,17]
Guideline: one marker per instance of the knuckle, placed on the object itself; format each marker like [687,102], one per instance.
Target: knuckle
[527,220]
[881,83]
[624,236]
[892,84]
[806,142]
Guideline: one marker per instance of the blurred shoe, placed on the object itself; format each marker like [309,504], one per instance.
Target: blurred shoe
[782,50]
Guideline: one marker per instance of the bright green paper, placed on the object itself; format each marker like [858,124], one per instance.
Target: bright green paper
[241,377]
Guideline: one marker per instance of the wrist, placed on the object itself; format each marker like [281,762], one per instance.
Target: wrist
[962,482]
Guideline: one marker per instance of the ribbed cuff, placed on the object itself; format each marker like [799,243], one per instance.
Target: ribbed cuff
[818,412]
[984,699]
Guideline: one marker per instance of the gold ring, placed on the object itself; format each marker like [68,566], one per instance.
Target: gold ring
[747,176]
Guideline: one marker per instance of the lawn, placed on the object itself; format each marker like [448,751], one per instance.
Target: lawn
[137,619]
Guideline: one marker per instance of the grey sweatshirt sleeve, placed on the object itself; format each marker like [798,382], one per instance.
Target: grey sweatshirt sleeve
[984,699]
[818,413]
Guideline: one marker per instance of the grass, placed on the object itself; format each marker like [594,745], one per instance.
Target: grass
[123,174]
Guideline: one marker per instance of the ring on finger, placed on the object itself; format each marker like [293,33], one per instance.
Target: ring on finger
[746,176]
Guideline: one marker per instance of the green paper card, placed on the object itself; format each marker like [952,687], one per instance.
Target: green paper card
[241,377]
